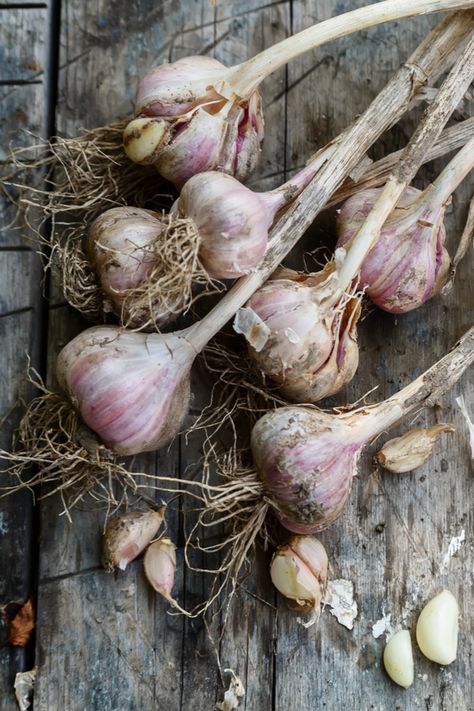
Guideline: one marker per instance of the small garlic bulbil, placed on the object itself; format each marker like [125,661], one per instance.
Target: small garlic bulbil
[131,389]
[160,566]
[437,628]
[409,263]
[127,536]
[309,347]
[398,659]
[299,571]
[411,450]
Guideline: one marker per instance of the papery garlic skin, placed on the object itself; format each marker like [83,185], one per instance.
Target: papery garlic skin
[398,659]
[131,389]
[411,450]
[127,536]
[160,566]
[232,221]
[205,131]
[437,628]
[122,246]
[409,263]
[306,465]
[310,349]
[299,572]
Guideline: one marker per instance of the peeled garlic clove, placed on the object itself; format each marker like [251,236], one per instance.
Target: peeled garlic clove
[299,571]
[127,536]
[411,450]
[131,389]
[437,628]
[143,138]
[398,659]
[160,566]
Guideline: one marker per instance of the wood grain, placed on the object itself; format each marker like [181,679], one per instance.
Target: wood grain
[106,641]
[22,95]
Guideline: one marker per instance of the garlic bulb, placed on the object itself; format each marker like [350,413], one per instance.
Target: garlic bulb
[299,571]
[297,336]
[398,659]
[131,389]
[127,536]
[212,114]
[306,458]
[160,565]
[411,450]
[408,263]
[124,248]
[437,628]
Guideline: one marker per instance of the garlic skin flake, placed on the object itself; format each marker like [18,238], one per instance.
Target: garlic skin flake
[437,628]
[411,450]
[127,536]
[299,571]
[398,659]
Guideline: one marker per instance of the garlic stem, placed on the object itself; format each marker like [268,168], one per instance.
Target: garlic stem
[449,179]
[345,152]
[421,392]
[451,139]
[451,92]
[246,77]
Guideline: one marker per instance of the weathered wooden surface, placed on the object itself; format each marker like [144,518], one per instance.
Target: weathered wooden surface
[105,642]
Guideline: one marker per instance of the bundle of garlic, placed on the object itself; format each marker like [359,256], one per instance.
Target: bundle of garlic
[132,390]
[302,331]
[197,115]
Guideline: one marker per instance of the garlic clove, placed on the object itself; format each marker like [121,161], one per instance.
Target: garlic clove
[411,450]
[160,565]
[127,536]
[143,138]
[437,628]
[299,572]
[398,659]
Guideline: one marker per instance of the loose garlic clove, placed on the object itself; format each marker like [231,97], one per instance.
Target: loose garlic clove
[160,566]
[143,138]
[398,659]
[411,450]
[127,536]
[437,628]
[299,571]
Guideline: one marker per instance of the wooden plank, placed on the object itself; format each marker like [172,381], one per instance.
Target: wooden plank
[22,61]
[22,58]
[395,530]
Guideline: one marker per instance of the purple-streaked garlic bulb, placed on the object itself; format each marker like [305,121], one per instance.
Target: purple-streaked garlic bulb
[299,571]
[298,337]
[124,245]
[127,536]
[196,115]
[131,389]
[232,220]
[409,262]
[307,459]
